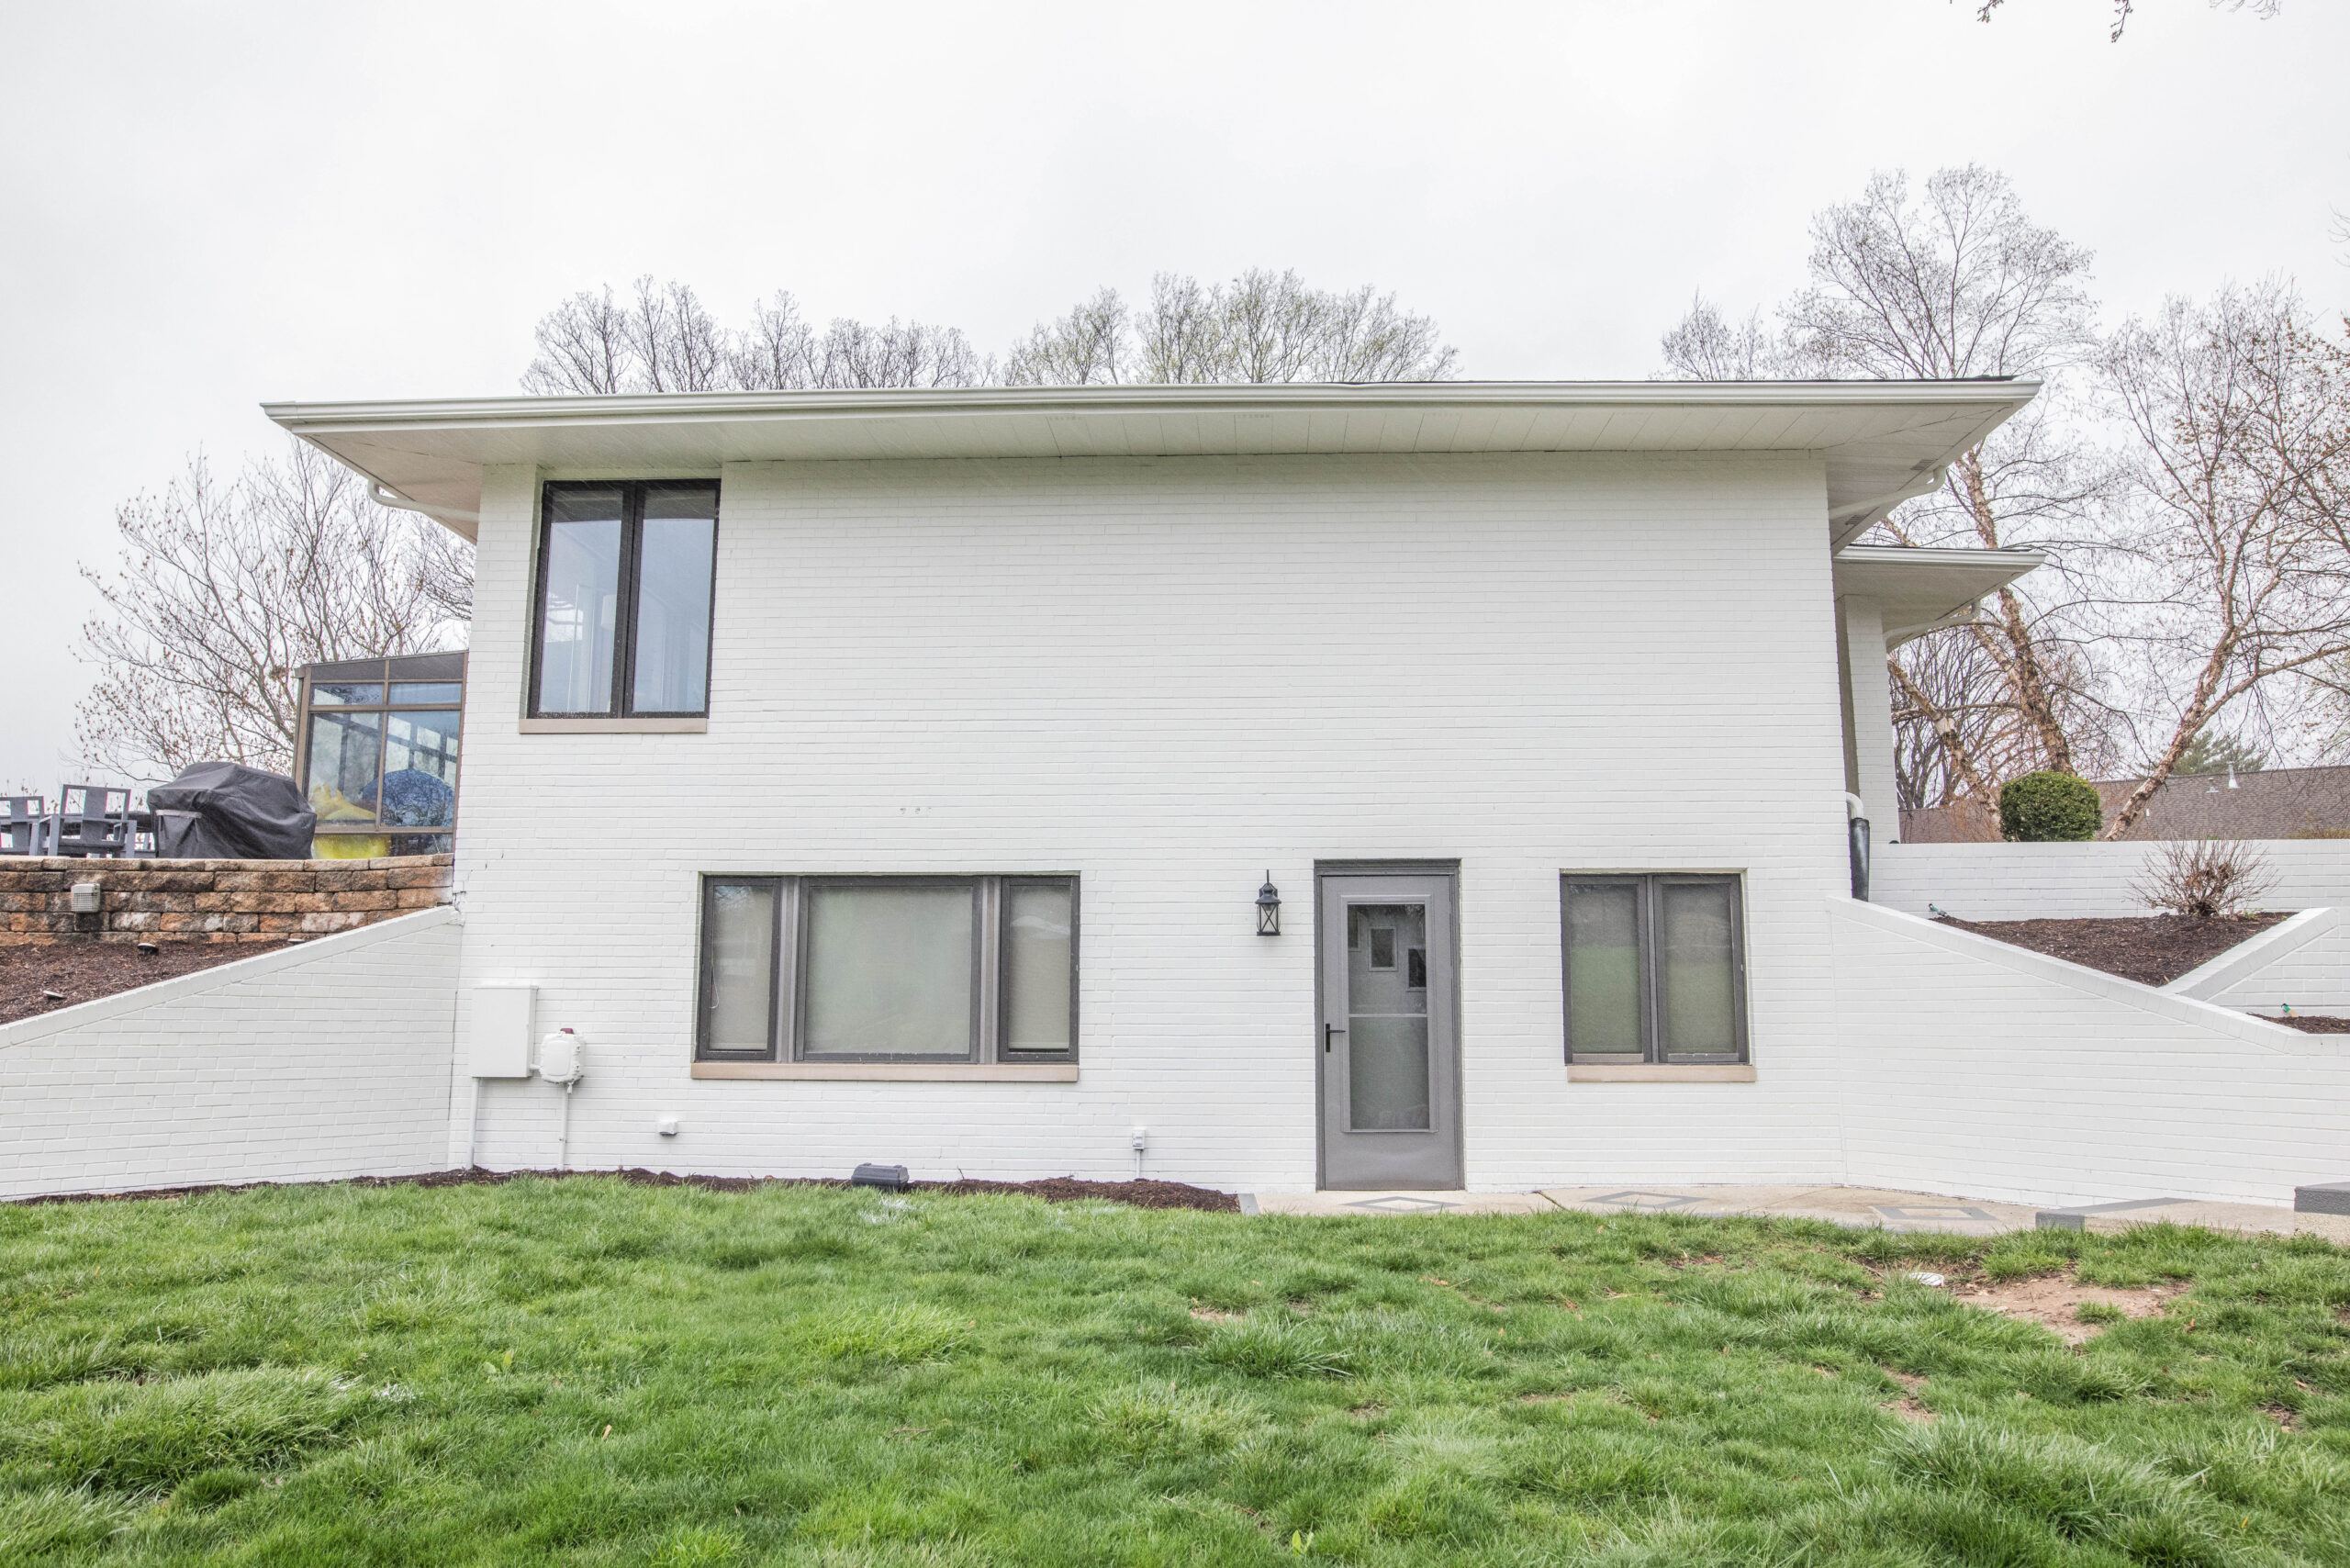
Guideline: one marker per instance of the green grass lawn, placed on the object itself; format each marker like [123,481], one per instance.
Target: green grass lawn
[585,1371]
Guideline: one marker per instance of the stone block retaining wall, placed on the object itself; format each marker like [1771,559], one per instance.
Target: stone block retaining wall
[215,901]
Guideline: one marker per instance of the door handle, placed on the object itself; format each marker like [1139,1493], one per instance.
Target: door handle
[1329,1030]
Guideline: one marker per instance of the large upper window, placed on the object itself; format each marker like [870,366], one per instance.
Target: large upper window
[889,969]
[624,609]
[1656,968]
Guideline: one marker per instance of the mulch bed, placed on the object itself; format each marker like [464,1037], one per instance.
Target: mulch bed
[84,972]
[1052,1189]
[2151,949]
[2314,1023]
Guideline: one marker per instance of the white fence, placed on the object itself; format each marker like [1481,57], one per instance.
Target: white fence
[320,1061]
[2059,881]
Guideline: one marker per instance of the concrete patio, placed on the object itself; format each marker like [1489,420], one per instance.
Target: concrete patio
[1859,1207]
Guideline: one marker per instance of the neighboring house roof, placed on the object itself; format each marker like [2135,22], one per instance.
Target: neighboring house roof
[1884,441]
[2276,802]
[1925,591]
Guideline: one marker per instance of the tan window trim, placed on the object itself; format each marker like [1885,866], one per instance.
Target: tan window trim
[896,1071]
[615,726]
[1660,1073]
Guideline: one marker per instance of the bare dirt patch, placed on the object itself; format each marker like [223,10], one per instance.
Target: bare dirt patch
[41,978]
[2054,1300]
[1906,1407]
[2152,949]
[1214,1314]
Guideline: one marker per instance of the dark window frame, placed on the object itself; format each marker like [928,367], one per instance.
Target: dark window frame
[1646,922]
[787,998]
[624,673]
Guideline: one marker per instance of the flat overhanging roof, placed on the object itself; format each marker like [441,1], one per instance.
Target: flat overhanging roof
[1924,590]
[1883,440]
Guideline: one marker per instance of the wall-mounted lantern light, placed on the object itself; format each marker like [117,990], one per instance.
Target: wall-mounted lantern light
[1268,908]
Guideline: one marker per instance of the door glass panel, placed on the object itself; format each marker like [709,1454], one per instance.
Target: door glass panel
[740,940]
[1695,988]
[1037,918]
[890,970]
[420,768]
[1604,968]
[1387,1019]
[673,586]
[345,750]
[582,597]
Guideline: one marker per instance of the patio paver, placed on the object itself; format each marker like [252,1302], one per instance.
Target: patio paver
[1862,1207]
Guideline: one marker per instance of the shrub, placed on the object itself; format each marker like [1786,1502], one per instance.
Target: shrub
[2204,878]
[2049,808]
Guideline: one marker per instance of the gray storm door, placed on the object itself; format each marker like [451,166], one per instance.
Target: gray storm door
[1389,1049]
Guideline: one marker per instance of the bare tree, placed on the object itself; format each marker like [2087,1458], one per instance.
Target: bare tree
[1956,282]
[220,593]
[2239,506]
[663,340]
[2123,10]
[585,345]
[1261,327]
[1706,346]
[1090,346]
[851,354]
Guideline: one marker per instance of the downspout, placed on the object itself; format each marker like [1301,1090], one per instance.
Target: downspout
[1856,831]
[397,502]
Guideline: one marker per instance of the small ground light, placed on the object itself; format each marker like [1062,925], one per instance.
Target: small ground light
[1268,908]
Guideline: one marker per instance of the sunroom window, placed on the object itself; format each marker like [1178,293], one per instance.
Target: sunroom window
[1655,968]
[889,969]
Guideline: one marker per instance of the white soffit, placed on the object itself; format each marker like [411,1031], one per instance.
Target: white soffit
[1884,441]
[1923,590]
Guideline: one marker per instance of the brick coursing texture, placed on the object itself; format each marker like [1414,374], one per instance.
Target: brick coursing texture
[215,901]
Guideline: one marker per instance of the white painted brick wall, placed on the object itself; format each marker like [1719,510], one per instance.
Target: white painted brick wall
[2064,881]
[327,1060]
[2303,964]
[1167,675]
[1980,1069]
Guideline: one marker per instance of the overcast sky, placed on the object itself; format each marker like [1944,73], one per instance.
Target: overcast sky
[203,207]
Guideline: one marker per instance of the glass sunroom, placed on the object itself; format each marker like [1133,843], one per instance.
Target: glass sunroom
[378,754]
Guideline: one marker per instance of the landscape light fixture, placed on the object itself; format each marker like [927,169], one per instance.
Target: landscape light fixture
[1268,908]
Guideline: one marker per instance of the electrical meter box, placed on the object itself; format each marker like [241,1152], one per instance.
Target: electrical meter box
[502,1016]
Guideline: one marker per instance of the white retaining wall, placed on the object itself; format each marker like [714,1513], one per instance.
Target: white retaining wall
[324,1061]
[1979,1068]
[2302,964]
[2062,882]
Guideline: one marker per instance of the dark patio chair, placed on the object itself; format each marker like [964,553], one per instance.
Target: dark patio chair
[22,819]
[90,820]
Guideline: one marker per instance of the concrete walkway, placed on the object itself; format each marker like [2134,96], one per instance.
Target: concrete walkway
[1841,1206]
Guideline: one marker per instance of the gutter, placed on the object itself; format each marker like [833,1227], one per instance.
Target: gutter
[2003,396]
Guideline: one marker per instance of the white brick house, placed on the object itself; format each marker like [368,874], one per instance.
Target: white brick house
[934,832]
